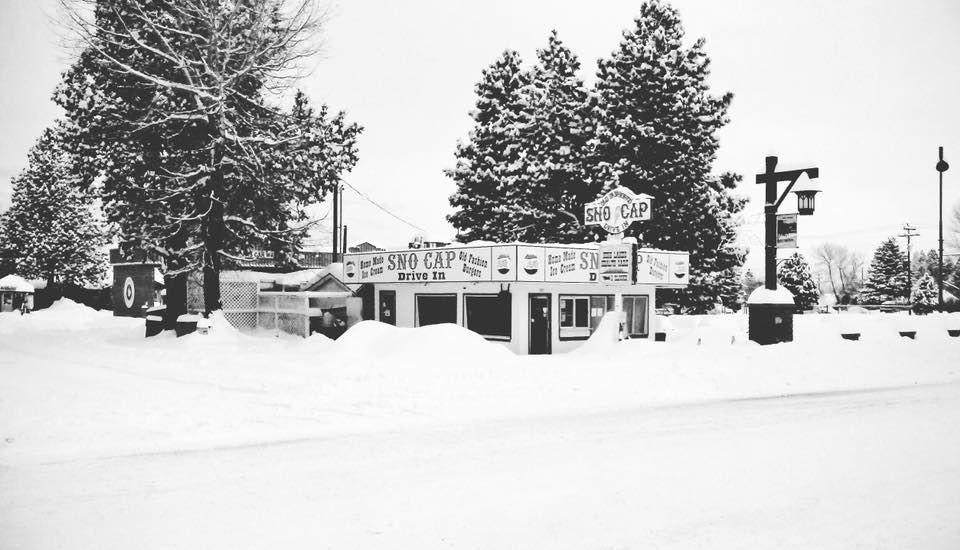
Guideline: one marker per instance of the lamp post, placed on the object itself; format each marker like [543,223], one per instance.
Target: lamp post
[942,167]
[771,320]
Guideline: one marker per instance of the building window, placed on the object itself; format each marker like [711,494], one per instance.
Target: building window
[433,309]
[580,315]
[488,315]
[635,308]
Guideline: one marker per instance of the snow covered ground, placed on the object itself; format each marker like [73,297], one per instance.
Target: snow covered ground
[435,438]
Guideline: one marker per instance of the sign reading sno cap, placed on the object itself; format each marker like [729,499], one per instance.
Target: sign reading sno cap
[616,210]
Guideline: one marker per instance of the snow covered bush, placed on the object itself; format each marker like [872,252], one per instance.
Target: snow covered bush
[794,275]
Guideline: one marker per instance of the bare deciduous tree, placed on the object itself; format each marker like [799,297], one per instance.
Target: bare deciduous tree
[840,265]
[177,105]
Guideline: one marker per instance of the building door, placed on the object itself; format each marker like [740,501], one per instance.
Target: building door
[540,335]
[388,307]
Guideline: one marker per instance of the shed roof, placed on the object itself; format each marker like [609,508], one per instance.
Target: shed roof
[15,283]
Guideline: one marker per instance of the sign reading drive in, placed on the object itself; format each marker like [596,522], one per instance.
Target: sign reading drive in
[616,210]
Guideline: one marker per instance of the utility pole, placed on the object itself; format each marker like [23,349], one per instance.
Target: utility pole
[908,233]
[336,221]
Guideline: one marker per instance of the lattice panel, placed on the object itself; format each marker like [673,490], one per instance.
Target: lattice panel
[238,295]
[242,321]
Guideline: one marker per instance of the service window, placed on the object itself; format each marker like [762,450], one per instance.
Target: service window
[488,315]
[635,308]
[580,315]
[433,309]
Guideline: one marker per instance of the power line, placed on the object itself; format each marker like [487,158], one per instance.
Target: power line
[373,202]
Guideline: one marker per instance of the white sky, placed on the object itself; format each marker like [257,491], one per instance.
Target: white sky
[864,90]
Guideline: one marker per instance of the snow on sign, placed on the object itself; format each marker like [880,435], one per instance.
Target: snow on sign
[616,210]
[663,268]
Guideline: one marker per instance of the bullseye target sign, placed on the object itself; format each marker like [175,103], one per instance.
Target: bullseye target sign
[129,292]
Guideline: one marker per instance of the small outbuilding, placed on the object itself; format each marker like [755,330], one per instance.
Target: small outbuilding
[15,291]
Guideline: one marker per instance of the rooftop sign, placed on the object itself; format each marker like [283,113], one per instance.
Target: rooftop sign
[616,210]
[515,262]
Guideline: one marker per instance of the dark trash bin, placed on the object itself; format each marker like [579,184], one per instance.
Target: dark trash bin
[155,320]
[659,336]
[154,325]
[186,324]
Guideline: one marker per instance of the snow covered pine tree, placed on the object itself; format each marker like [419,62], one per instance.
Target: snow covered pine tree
[794,275]
[925,296]
[490,164]
[888,275]
[658,125]
[197,166]
[53,230]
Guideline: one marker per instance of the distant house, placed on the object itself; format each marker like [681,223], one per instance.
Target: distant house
[264,260]
[364,247]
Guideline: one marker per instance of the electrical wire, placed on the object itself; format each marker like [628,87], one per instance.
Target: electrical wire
[373,202]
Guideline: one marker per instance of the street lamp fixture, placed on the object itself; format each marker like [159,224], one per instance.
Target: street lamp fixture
[806,192]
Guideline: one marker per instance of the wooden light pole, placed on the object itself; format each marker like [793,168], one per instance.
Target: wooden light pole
[771,178]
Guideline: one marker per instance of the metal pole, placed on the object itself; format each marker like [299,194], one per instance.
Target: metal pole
[942,167]
[343,248]
[940,258]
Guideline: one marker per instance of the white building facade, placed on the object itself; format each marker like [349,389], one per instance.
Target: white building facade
[534,298]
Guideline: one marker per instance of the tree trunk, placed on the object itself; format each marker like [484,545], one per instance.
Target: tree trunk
[176,302]
[213,243]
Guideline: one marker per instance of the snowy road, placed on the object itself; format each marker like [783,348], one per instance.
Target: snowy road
[858,469]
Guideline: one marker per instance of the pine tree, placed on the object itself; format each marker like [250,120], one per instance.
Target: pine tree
[527,170]
[657,133]
[198,166]
[925,297]
[490,170]
[53,231]
[794,275]
[559,138]
[888,275]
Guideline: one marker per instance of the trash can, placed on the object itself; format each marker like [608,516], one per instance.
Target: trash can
[155,321]
[659,336]
[154,325]
[187,323]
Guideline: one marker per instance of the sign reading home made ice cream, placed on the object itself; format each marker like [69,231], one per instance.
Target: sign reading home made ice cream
[663,268]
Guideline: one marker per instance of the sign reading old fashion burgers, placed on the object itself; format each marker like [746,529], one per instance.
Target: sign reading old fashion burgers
[663,268]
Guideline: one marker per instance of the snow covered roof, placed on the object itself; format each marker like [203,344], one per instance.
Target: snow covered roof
[15,283]
[780,296]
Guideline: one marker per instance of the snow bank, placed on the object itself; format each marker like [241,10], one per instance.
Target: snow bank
[76,382]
